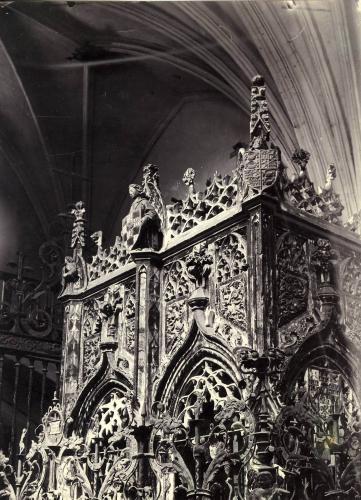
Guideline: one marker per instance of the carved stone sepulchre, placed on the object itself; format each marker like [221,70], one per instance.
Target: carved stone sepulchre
[214,351]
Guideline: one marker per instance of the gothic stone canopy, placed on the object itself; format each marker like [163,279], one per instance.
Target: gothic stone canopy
[213,351]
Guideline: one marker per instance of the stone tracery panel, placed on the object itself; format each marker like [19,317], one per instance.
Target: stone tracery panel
[208,436]
[231,289]
[318,432]
[293,278]
[351,288]
[107,260]
[220,194]
[177,287]
[129,317]
[91,328]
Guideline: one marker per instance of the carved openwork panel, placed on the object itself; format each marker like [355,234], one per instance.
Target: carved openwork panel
[110,445]
[219,195]
[210,434]
[154,316]
[293,278]
[351,288]
[91,331]
[177,288]
[318,437]
[107,260]
[231,288]
[302,194]
[71,367]
[129,317]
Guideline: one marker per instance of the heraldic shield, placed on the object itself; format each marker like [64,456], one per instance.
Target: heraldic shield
[261,168]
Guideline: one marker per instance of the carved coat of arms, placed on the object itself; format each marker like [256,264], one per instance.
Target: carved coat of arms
[261,168]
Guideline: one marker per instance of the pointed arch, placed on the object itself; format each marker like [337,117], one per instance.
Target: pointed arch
[341,354]
[97,388]
[199,346]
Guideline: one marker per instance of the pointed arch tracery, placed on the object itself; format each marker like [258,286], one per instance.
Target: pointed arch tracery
[96,390]
[204,431]
[319,427]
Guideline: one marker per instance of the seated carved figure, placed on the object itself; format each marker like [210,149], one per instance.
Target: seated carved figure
[143,226]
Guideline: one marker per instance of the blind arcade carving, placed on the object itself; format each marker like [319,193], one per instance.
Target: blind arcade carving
[213,351]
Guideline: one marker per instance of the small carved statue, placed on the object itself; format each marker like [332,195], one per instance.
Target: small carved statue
[143,226]
[70,271]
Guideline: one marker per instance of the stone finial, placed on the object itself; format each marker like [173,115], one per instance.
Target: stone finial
[354,223]
[301,158]
[78,232]
[97,237]
[188,179]
[259,122]
[331,176]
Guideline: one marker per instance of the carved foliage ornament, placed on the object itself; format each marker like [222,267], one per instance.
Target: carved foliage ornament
[213,425]
[199,265]
[293,278]
[176,292]
[91,329]
[231,288]
[129,317]
[319,433]
[351,288]
[354,223]
[301,193]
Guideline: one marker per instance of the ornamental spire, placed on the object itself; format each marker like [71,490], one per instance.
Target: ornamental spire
[260,165]
[78,232]
[259,121]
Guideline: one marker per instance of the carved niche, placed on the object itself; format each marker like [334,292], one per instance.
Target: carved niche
[292,278]
[231,289]
[177,287]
